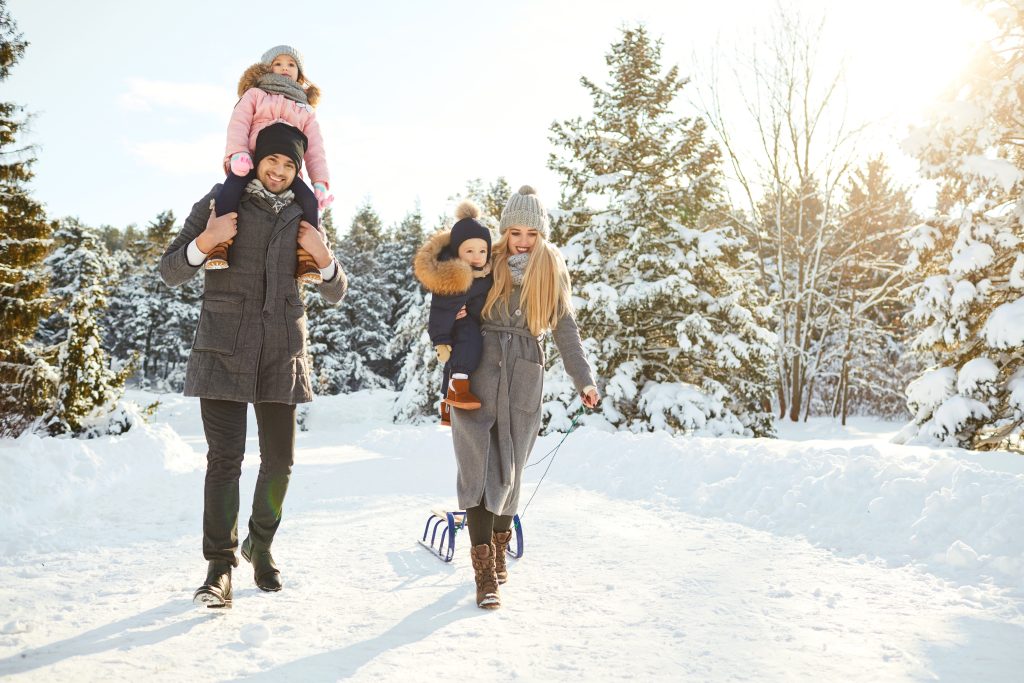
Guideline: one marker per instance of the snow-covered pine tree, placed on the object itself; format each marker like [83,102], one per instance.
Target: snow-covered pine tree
[145,317]
[491,198]
[866,362]
[358,347]
[403,239]
[419,377]
[679,336]
[967,260]
[88,387]
[26,378]
[324,323]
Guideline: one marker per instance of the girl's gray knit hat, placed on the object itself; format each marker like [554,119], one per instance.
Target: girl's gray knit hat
[268,56]
[524,208]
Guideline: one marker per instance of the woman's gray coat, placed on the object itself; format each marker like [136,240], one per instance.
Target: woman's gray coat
[250,344]
[493,443]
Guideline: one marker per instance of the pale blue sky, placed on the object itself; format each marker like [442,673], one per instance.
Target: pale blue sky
[131,99]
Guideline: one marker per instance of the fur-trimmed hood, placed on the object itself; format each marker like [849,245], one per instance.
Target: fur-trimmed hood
[440,273]
[251,76]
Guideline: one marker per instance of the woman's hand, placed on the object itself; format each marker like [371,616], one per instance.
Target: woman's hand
[315,242]
[590,397]
[461,314]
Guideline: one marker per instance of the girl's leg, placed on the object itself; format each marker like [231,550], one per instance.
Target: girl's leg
[230,193]
[305,267]
[306,200]
[226,201]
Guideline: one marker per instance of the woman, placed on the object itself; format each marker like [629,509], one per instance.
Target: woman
[530,295]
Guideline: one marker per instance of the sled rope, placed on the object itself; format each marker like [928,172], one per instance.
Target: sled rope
[550,454]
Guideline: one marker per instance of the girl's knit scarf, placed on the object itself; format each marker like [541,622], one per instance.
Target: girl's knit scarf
[277,201]
[282,85]
[517,267]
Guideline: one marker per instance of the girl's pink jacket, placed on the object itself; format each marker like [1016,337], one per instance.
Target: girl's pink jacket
[258,109]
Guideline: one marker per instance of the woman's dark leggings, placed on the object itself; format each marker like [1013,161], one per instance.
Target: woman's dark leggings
[483,522]
[234,185]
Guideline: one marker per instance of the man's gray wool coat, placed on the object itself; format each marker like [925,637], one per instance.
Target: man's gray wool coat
[493,443]
[250,344]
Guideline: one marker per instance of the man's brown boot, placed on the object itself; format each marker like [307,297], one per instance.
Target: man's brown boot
[306,270]
[446,414]
[500,539]
[217,259]
[487,596]
[459,395]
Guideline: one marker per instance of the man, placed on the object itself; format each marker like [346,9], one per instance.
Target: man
[250,347]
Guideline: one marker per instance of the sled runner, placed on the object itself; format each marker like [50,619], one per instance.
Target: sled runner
[451,522]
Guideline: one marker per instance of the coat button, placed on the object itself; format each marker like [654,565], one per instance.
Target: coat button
[519,312]
[499,363]
[266,315]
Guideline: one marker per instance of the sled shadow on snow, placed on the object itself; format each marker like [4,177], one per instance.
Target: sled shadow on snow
[987,650]
[342,663]
[124,634]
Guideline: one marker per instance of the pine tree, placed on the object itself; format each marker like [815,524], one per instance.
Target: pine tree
[26,379]
[967,263]
[405,292]
[147,318]
[420,374]
[81,272]
[356,353]
[325,324]
[490,198]
[677,332]
[870,361]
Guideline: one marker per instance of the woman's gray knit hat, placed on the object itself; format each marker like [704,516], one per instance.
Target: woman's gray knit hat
[524,208]
[268,56]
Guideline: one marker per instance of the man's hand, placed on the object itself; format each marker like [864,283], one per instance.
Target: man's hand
[218,229]
[461,314]
[315,242]
[444,352]
[590,397]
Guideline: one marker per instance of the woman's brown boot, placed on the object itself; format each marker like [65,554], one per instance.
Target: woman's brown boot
[487,596]
[500,539]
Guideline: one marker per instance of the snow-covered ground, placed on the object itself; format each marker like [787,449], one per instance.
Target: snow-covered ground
[829,554]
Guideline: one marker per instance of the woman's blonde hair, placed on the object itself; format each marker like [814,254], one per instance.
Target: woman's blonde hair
[546,293]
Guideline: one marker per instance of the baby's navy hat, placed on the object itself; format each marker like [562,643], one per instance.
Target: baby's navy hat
[468,227]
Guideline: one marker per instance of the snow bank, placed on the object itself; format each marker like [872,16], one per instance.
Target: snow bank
[54,492]
[905,505]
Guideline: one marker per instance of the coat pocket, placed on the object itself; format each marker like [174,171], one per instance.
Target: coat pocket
[526,385]
[220,318]
[295,323]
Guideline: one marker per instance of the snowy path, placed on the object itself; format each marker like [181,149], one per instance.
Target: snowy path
[608,589]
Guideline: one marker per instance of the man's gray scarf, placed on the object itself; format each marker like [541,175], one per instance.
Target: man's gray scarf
[282,85]
[517,267]
[277,201]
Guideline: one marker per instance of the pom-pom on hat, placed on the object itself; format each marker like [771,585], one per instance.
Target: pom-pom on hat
[280,138]
[468,227]
[269,55]
[525,208]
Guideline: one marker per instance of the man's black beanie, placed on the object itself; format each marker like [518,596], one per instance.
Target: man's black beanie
[280,138]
